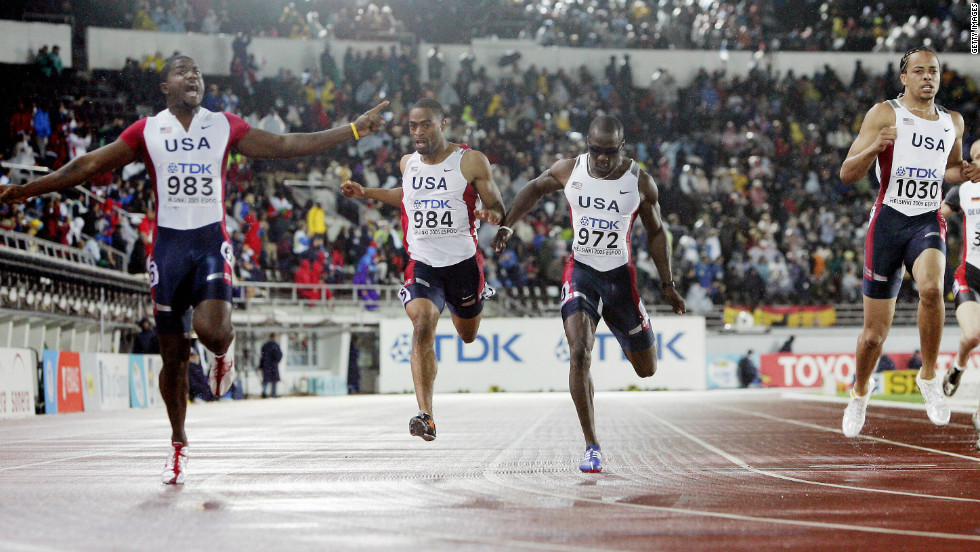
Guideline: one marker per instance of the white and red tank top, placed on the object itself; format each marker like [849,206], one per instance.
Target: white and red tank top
[602,214]
[911,170]
[187,167]
[966,198]
[437,211]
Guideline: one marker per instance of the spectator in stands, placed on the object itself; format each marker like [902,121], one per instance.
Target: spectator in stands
[787,346]
[746,371]
[57,65]
[315,221]
[915,361]
[269,364]
[885,364]
[145,342]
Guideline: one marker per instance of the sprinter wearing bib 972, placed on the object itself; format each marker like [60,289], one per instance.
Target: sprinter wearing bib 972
[605,191]
[914,145]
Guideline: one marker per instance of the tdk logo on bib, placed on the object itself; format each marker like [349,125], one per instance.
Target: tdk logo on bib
[190,168]
[431,204]
[915,172]
[600,224]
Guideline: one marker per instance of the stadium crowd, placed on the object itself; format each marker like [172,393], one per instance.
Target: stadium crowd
[832,25]
[747,168]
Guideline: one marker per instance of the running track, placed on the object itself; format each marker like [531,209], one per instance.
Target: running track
[728,471]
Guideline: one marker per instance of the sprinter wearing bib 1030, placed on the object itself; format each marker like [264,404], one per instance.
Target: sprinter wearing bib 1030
[914,144]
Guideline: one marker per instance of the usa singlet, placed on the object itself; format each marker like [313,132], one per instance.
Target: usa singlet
[602,214]
[437,211]
[911,170]
[192,255]
[187,167]
[966,198]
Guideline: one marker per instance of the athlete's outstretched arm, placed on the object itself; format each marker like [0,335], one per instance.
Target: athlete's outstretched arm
[476,168]
[547,182]
[261,143]
[77,171]
[391,196]
[959,171]
[877,133]
[649,211]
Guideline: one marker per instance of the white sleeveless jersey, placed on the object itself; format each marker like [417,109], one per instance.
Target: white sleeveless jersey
[911,171]
[602,214]
[187,168]
[967,199]
[437,211]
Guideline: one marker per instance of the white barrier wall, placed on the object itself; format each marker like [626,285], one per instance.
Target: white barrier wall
[19,42]
[18,383]
[531,354]
[109,48]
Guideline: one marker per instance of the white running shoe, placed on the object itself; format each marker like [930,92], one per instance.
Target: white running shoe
[174,472]
[976,421]
[932,394]
[854,413]
[221,375]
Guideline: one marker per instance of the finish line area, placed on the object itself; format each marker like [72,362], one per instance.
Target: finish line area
[716,470]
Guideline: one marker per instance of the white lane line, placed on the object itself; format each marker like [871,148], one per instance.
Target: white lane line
[744,465]
[835,430]
[488,473]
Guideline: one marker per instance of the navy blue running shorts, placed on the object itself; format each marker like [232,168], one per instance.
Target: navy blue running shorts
[461,286]
[611,295]
[187,267]
[893,243]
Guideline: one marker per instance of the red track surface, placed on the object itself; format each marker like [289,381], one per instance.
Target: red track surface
[684,471]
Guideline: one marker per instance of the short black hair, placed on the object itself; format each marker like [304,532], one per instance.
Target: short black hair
[905,59]
[606,124]
[165,72]
[431,105]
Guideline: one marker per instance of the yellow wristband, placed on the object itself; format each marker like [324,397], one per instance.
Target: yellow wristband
[354,129]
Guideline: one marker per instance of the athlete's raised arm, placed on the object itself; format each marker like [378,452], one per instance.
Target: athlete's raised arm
[77,171]
[264,144]
[476,169]
[352,189]
[549,181]
[649,212]
[877,133]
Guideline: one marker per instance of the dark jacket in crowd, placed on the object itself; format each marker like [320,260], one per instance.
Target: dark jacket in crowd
[269,362]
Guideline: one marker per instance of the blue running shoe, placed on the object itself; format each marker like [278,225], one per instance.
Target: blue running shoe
[592,463]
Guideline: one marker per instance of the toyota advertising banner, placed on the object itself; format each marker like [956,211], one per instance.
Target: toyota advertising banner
[810,369]
[18,383]
[531,354]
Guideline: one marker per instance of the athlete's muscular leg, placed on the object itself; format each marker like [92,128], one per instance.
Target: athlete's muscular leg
[467,327]
[212,323]
[424,315]
[644,362]
[968,316]
[175,349]
[580,333]
[878,315]
[928,271]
